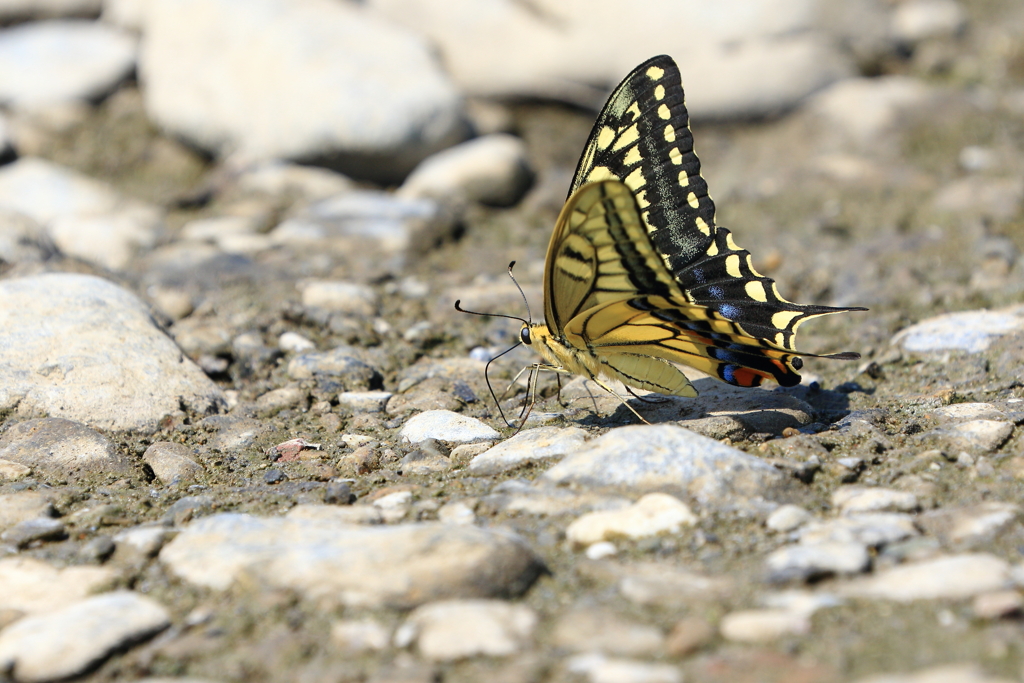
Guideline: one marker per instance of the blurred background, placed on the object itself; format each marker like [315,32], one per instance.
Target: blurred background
[214,153]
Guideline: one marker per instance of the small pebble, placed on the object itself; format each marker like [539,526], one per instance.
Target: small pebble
[787,518]
[292,342]
[998,604]
[601,550]
[38,529]
[856,499]
[274,476]
[653,514]
[360,635]
[444,425]
[807,562]
[456,629]
[339,493]
[763,625]
[689,635]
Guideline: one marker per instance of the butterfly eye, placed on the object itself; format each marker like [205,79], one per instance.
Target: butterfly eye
[524,334]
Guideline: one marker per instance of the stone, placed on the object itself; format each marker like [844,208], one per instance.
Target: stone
[145,540]
[670,459]
[292,181]
[970,525]
[53,62]
[787,518]
[813,561]
[985,197]
[872,529]
[444,425]
[878,105]
[32,586]
[22,239]
[13,471]
[400,566]
[82,216]
[292,342]
[762,625]
[518,497]
[171,463]
[343,514]
[974,435]
[20,506]
[355,636]
[86,349]
[394,506]
[946,673]
[62,448]
[456,512]
[337,364]
[347,298]
[374,99]
[69,641]
[653,514]
[128,14]
[719,56]
[853,500]
[530,446]
[492,170]
[598,668]
[602,630]
[651,583]
[919,20]
[364,401]
[457,629]
[970,331]
[967,412]
[282,398]
[951,577]
[38,529]
[997,604]
[689,635]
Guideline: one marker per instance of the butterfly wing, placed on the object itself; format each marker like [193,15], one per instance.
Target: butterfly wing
[610,294]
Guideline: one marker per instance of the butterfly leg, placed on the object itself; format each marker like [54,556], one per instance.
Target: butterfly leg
[621,399]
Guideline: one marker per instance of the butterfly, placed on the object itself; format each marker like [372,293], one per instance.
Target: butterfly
[639,278]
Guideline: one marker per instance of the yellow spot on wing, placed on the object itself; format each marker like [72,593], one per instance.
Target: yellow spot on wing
[627,137]
[641,200]
[703,227]
[675,156]
[782,319]
[780,340]
[655,73]
[605,137]
[755,290]
[664,112]
[692,200]
[634,109]
[732,265]
[659,92]
[600,173]
[712,248]
[635,180]
[731,243]
[670,133]
[632,156]
[684,179]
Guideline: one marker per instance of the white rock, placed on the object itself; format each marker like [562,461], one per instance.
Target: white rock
[492,169]
[872,529]
[806,562]
[59,61]
[964,412]
[763,625]
[86,349]
[858,499]
[214,228]
[83,217]
[973,524]
[348,298]
[601,550]
[444,425]
[601,669]
[343,564]
[946,673]
[537,445]
[359,635]
[917,20]
[456,629]
[394,506]
[145,540]
[457,512]
[651,583]
[68,641]
[13,471]
[864,108]
[364,401]
[591,629]
[721,54]
[787,518]
[62,448]
[971,331]
[284,180]
[953,577]
[31,586]
[981,435]
[653,514]
[292,342]
[19,506]
[328,80]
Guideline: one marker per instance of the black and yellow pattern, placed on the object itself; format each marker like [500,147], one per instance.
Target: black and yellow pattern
[638,276]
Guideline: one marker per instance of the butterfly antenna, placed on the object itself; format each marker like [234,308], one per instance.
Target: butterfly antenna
[460,309]
[521,292]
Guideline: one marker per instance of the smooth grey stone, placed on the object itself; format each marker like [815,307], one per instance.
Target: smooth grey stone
[456,629]
[38,529]
[672,459]
[97,549]
[88,350]
[447,426]
[970,331]
[375,100]
[975,435]
[70,641]
[972,524]
[871,529]
[62,448]
[337,364]
[171,463]
[399,566]
[920,20]
[530,446]
[32,586]
[951,577]
[590,629]
[19,506]
[62,61]
[807,562]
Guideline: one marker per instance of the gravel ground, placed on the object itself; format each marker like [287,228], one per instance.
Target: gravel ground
[248,437]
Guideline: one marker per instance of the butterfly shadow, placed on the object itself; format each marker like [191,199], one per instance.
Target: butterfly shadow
[720,410]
